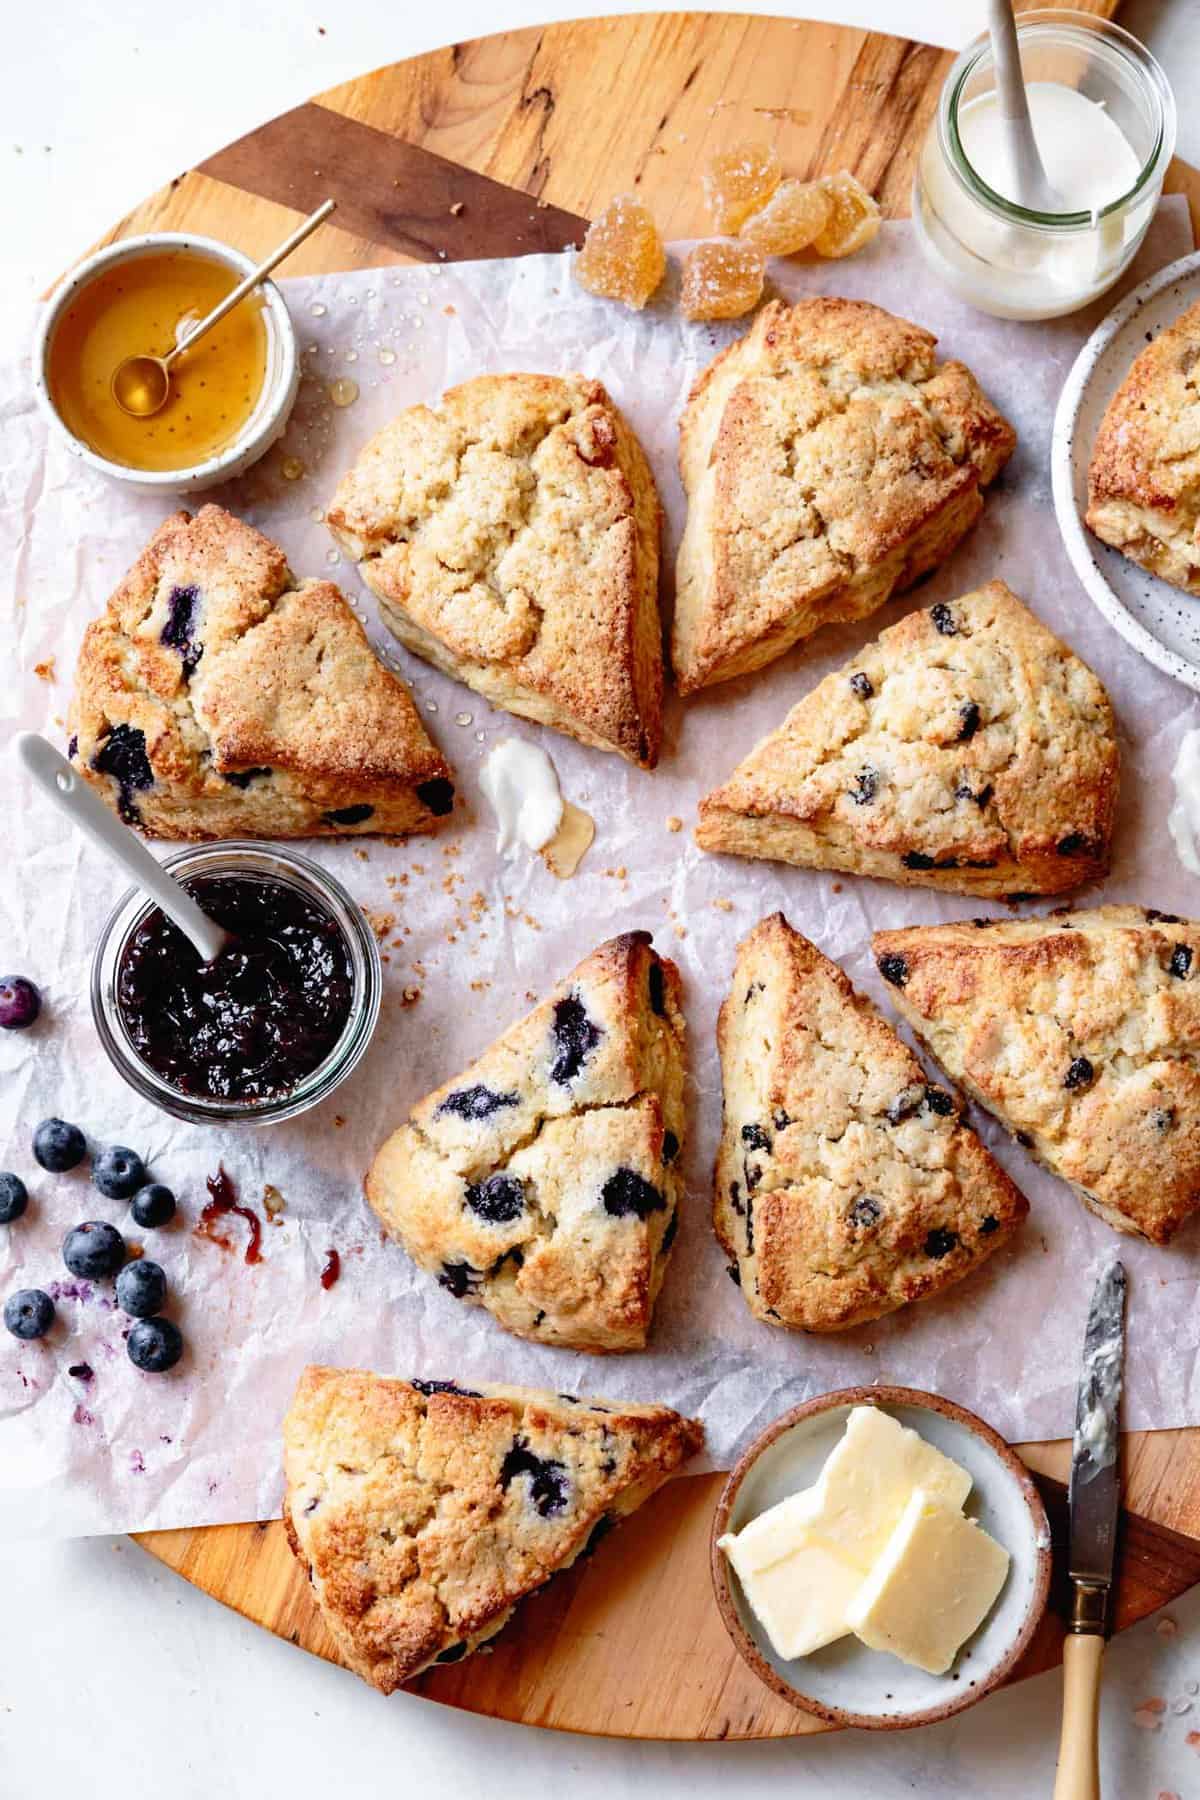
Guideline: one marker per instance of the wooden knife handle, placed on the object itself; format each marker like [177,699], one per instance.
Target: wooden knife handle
[1078,1775]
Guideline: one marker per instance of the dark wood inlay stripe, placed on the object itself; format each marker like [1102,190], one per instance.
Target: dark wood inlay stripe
[390,192]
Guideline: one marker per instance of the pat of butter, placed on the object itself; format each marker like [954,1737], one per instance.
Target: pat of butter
[934,1584]
[866,1483]
[801,1598]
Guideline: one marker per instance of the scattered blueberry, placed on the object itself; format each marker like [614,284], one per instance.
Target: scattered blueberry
[29,1313]
[454,1654]
[141,1289]
[964,791]
[1162,1119]
[657,988]
[241,778]
[670,1148]
[349,815]
[939,1243]
[477,1102]
[500,1199]
[58,1146]
[549,1487]
[152,1205]
[734,1273]
[968,714]
[93,1250]
[866,786]
[917,859]
[669,1234]
[437,795]
[118,1172]
[861,685]
[154,1345]
[575,1038]
[939,1101]
[123,756]
[755,1138]
[893,969]
[20,1003]
[445,1387]
[1080,1074]
[179,632]
[1161,918]
[1181,960]
[460,1279]
[988,1224]
[14,1198]
[907,1102]
[626,1192]
[943,619]
[1075,844]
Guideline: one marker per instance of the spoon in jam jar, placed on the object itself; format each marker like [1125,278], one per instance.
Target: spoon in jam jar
[141,384]
[88,813]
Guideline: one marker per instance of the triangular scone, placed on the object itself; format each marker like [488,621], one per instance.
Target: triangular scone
[829,460]
[965,749]
[1144,478]
[218,697]
[424,1511]
[1080,1032]
[543,1182]
[511,536]
[846,1185]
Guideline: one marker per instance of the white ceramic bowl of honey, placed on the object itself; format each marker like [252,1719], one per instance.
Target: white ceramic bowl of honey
[230,397]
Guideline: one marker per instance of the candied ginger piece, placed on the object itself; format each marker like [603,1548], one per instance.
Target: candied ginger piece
[721,281]
[739,180]
[622,256]
[796,213]
[853,216]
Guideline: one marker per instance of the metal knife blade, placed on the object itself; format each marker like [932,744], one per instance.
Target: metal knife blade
[1095,1466]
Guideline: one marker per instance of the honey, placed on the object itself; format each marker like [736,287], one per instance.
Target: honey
[143,306]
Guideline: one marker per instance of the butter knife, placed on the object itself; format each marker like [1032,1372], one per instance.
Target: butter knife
[1093,1502]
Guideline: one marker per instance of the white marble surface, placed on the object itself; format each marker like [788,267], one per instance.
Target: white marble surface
[115,1677]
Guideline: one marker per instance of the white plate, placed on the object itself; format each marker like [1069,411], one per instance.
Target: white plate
[846,1683]
[1160,621]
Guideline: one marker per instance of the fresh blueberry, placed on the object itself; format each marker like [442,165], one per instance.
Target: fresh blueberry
[437,795]
[118,1172]
[349,815]
[1181,960]
[944,620]
[658,992]
[20,1003]
[141,1289]
[14,1198]
[865,1212]
[477,1102]
[988,1224]
[755,1138]
[861,685]
[627,1193]
[461,1279]
[549,1484]
[1080,1074]
[154,1345]
[1075,844]
[939,1243]
[179,632]
[93,1250]
[893,969]
[866,786]
[152,1205]
[968,721]
[122,755]
[29,1314]
[670,1149]
[58,1146]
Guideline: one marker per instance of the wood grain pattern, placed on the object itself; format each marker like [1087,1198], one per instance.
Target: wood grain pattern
[484,149]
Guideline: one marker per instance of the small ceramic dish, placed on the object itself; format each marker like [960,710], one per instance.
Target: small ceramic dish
[1160,621]
[847,1684]
[280,384]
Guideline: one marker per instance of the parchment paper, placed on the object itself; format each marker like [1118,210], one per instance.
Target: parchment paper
[481,939]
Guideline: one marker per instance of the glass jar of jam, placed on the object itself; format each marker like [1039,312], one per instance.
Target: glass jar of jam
[270,1028]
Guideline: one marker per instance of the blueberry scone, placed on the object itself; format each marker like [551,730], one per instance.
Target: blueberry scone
[218,697]
[423,1512]
[1144,478]
[965,749]
[1081,1032]
[511,537]
[830,461]
[846,1185]
[543,1182]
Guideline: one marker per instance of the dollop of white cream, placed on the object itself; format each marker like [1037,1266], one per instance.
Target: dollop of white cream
[1183,820]
[1086,155]
[520,781]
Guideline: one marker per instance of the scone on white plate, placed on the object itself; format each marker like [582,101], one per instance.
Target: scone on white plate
[830,461]
[1079,1031]
[511,535]
[847,1184]
[965,749]
[1144,476]
[543,1182]
[217,696]
[422,1511]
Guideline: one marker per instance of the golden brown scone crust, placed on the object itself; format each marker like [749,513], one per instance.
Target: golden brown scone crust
[423,1512]
[217,697]
[1080,1031]
[543,1183]
[511,535]
[846,1184]
[1144,478]
[965,749]
[829,461]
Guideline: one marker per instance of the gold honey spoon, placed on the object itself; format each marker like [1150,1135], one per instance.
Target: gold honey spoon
[140,384]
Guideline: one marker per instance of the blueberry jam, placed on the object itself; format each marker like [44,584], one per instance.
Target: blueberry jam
[255,1022]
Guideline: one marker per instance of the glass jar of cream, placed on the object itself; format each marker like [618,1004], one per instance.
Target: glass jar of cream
[1104,118]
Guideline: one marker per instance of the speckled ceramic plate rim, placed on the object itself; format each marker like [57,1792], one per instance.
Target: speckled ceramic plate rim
[884,1397]
[1080,545]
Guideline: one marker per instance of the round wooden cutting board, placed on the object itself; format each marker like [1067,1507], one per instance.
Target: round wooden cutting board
[493,148]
